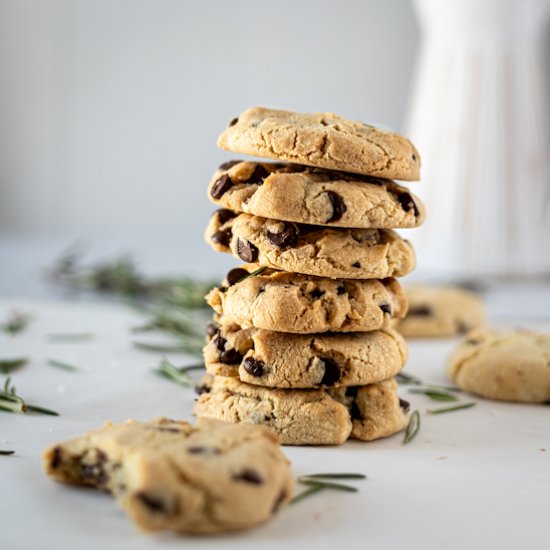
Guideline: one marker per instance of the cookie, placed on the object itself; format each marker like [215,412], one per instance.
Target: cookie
[307,417]
[310,249]
[301,194]
[278,360]
[167,474]
[324,140]
[508,365]
[440,311]
[304,304]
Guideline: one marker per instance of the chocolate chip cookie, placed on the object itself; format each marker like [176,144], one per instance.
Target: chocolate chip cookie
[301,194]
[304,304]
[310,249]
[278,360]
[308,417]
[440,312]
[167,474]
[508,365]
[324,140]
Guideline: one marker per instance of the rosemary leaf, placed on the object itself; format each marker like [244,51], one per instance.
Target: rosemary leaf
[308,492]
[434,393]
[178,375]
[62,365]
[168,348]
[458,407]
[70,336]
[9,365]
[6,453]
[412,428]
[332,476]
[251,274]
[330,485]
[403,378]
[42,410]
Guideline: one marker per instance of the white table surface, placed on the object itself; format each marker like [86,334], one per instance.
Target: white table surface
[477,478]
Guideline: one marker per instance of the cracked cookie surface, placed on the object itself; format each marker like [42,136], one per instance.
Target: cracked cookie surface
[308,417]
[305,304]
[440,312]
[309,249]
[167,474]
[507,365]
[307,195]
[325,140]
[280,360]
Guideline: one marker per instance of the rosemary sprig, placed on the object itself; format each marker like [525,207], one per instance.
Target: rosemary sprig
[179,375]
[70,336]
[17,322]
[435,393]
[120,277]
[317,483]
[62,365]
[458,407]
[9,365]
[11,402]
[412,428]
[403,378]
[6,453]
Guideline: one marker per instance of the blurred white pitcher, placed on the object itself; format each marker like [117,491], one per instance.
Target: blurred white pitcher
[479,116]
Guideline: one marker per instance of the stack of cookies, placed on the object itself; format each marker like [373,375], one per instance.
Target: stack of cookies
[302,341]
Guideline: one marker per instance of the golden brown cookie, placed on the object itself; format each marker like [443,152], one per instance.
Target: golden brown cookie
[324,140]
[301,194]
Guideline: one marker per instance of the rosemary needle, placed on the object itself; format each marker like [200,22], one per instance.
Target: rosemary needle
[9,365]
[332,476]
[412,428]
[452,408]
[304,494]
[70,336]
[5,453]
[329,485]
[403,378]
[62,365]
[11,402]
[251,274]
[437,394]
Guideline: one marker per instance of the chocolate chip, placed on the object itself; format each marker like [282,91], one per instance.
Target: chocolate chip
[212,330]
[278,501]
[254,367]
[356,264]
[154,504]
[258,176]
[420,311]
[95,471]
[332,372]
[355,412]
[202,388]
[317,293]
[233,121]
[285,238]
[351,391]
[223,238]
[236,275]
[405,405]
[340,290]
[56,458]
[229,164]
[221,186]
[386,308]
[414,157]
[246,251]
[219,342]
[224,215]
[230,357]
[250,476]
[338,206]
[407,202]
